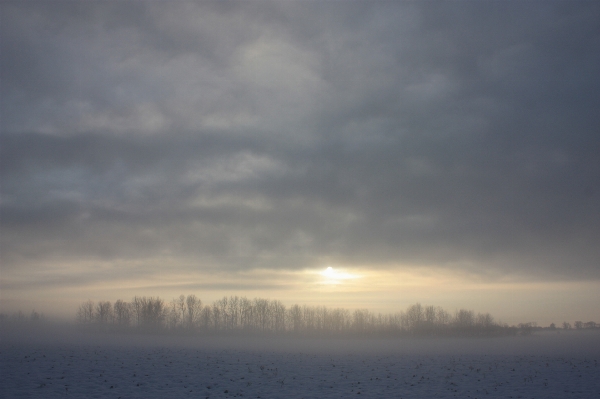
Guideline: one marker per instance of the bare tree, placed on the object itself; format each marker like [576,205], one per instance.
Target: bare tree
[153,313]
[262,313]
[308,315]
[296,319]
[122,313]
[220,314]
[392,323]
[193,309]
[430,315]
[173,318]
[278,312]
[443,317]
[464,319]
[484,321]
[415,317]
[182,308]
[85,312]
[137,309]
[246,313]
[360,321]
[103,314]
[149,312]
[336,320]
[233,312]
[206,318]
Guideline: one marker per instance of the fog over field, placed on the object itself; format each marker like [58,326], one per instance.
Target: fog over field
[48,360]
[564,343]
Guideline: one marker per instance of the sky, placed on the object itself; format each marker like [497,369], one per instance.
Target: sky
[445,153]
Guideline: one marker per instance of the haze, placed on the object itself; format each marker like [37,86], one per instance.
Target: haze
[345,154]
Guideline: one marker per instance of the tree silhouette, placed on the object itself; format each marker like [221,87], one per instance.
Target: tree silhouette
[239,314]
[122,313]
[103,312]
[85,312]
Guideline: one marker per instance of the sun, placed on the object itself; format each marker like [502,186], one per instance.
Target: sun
[335,276]
[329,272]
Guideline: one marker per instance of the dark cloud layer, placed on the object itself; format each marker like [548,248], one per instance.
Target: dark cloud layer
[281,134]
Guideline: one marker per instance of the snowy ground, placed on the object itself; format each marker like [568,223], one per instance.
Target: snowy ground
[135,367]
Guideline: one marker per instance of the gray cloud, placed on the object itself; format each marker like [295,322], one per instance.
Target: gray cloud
[261,134]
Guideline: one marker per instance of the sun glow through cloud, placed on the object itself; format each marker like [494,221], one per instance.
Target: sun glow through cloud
[333,276]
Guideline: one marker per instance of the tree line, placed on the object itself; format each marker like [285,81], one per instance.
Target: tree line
[235,314]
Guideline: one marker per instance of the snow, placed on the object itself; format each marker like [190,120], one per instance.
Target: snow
[213,367]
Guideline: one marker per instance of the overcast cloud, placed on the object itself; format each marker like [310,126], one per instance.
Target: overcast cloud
[243,135]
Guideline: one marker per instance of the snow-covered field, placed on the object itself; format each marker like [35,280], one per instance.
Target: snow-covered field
[145,367]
